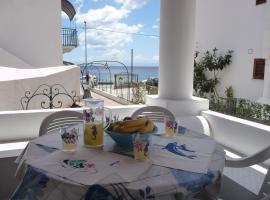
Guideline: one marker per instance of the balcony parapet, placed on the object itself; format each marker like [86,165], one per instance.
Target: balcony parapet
[69,39]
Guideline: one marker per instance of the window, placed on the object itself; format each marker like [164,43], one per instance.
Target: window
[258,2]
[258,68]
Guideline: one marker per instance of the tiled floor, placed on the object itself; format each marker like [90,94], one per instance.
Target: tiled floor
[107,102]
[247,177]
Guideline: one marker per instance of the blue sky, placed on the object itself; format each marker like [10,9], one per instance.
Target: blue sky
[132,16]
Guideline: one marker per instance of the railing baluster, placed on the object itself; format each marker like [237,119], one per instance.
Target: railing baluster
[69,37]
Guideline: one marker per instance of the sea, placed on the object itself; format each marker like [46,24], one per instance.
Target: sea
[142,72]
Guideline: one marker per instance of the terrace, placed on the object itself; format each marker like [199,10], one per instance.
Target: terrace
[239,136]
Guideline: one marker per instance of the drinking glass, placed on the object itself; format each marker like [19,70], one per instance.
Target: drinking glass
[69,137]
[141,144]
[94,122]
[170,127]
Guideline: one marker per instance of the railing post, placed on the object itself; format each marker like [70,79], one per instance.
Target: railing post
[51,98]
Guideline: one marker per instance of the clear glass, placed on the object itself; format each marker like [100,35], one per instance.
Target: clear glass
[170,127]
[182,130]
[93,122]
[141,144]
[69,137]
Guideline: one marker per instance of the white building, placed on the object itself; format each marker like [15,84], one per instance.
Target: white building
[30,45]
[241,26]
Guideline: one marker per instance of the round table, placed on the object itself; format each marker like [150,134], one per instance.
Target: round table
[156,183]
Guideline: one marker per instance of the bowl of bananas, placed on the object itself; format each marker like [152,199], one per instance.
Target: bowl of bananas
[122,131]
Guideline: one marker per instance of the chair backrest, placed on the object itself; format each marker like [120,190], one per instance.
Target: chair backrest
[59,119]
[155,113]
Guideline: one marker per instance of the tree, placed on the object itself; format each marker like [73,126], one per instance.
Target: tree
[210,61]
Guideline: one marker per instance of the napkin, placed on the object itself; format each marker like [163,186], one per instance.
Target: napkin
[180,152]
[89,166]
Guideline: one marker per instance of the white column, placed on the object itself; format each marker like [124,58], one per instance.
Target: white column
[177,32]
[177,45]
[265,99]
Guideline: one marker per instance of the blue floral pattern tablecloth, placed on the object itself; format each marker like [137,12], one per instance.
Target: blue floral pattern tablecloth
[157,183]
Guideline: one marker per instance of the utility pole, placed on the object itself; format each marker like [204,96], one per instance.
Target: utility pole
[131,66]
[88,90]
[85,43]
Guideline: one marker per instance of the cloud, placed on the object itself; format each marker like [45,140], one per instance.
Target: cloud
[104,25]
[155,26]
[131,4]
[104,16]
[64,15]
[156,58]
[79,4]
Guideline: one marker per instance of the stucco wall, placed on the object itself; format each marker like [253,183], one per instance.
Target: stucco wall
[9,60]
[31,30]
[236,25]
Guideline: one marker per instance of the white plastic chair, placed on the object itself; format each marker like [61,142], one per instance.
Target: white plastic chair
[52,122]
[256,158]
[155,113]
[59,119]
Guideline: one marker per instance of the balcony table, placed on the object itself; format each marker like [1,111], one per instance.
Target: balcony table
[156,183]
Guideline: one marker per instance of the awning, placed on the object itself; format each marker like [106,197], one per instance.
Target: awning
[68,8]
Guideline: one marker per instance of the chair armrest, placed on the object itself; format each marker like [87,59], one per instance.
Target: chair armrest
[256,158]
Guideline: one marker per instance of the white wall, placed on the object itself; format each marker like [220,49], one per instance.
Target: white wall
[15,82]
[24,125]
[236,25]
[31,30]
[9,60]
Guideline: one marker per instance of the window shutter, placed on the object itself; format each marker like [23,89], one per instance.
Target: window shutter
[258,68]
[258,2]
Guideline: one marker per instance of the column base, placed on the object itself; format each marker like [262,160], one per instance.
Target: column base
[182,107]
[264,100]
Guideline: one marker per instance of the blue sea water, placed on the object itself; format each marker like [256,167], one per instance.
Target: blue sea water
[143,72]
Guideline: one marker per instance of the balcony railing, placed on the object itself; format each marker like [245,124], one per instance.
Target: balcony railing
[69,39]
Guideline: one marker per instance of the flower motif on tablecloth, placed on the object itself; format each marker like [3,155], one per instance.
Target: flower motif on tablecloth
[32,186]
[84,165]
[146,194]
[192,181]
[117,191]
[97,192]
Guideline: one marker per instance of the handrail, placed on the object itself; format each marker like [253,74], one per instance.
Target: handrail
[69,37]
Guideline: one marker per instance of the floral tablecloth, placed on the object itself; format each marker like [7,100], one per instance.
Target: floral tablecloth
[156,183]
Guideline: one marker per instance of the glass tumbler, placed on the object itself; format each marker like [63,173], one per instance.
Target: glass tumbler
[93,116]
[69,137]
[170,127]
[141,144]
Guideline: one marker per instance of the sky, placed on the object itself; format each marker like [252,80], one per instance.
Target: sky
[105,19]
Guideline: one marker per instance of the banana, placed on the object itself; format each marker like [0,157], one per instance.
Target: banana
[135,122]
[142,125]
[128,129]
[148,128]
